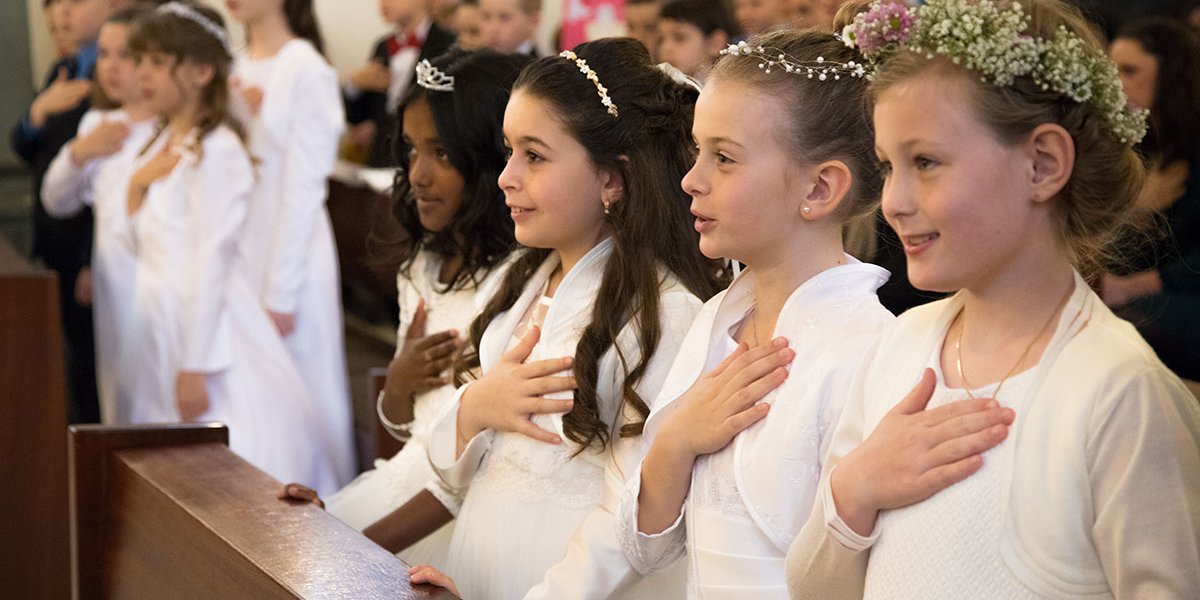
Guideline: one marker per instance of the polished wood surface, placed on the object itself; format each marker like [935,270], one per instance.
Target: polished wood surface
[172,513]
[34,541]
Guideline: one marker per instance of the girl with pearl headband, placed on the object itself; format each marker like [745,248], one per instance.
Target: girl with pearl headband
[1044,451]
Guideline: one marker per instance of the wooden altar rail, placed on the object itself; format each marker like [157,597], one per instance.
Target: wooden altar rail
[170,512]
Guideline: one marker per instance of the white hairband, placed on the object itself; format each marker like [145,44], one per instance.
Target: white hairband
[591,75]
[184,11]
[433,78]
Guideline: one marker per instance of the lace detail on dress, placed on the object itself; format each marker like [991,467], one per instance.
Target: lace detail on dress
[714,487]
[534,471]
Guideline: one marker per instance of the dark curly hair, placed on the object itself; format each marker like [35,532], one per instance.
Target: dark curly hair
[468,121]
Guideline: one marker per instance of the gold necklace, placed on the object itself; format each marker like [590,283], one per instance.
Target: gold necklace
[958,347]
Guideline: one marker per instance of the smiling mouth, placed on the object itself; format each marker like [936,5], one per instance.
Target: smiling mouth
[516,210]
[917,240]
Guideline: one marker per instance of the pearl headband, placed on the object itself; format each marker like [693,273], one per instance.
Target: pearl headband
[186,12]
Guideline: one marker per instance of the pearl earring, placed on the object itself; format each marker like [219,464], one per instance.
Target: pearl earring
[606,207]
[806,209]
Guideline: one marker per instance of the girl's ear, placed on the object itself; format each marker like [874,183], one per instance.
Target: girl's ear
[197,74]
[1051,151]
[612,186]
[831,183]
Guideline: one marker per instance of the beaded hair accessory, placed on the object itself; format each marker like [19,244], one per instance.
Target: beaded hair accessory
[992,41]
[591,75]
[433,78]
[819,69]
[186,12]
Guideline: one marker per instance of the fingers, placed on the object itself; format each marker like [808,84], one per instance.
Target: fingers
[757,389]
[430,383]
[437,344]
[960,448]
[296,491]
[743,420]
[741,350]
[526,428]
[545,406]
[416,329]
[966,417]
[63,75]
[521,351]
[918,398]
[543,368]
[429,575]
[756,365]
[549,385]
[940,478]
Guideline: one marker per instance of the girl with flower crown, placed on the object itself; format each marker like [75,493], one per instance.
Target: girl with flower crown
[459,238]
[92,170]
[199,345]
[577,340]
[289,99]
[1044,450]
[740,425]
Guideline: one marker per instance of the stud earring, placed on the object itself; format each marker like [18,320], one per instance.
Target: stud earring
[607,205]
[806,209]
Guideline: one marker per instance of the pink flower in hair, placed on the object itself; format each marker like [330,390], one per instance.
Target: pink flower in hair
[883,27]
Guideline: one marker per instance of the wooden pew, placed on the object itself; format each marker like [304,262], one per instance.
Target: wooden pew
[34,542]
[169,512]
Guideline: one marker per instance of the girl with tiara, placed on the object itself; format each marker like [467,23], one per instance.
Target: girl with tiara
[1045,451]
[292,108]
[93,170]
[732,470]
[459,235]
[597,306]
[199,345]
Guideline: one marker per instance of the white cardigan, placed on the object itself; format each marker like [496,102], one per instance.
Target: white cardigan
[831,321]
[594,565]
[1101,470]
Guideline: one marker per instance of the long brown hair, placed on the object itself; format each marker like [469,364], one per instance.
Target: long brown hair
[302,20]
[186,40]
[650,146]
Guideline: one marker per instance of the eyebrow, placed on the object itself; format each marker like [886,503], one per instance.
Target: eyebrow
[529,139]
[721,140]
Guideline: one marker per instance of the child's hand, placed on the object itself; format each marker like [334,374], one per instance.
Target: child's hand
[62,95]
[427,574]
[83,287]
[297,491]
[156,168]
[419,367]
[915,453]
[191,395]
[725,401]
[512,391]
[373,78]
[105,140]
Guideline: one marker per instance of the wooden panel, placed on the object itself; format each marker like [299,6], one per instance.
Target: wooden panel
[187,518]
[34,539]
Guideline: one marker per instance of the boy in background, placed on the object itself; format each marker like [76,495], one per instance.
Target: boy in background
[693,33]
[508,26]
[641,18]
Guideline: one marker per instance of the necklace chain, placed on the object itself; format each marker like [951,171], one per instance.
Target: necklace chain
[958,347]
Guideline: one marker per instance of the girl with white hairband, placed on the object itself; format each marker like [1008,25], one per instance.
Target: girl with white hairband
[574,345]
[739,429]
[288,97]
[199,345]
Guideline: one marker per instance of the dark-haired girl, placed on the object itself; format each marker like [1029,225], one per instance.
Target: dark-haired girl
[199,345]
[576,342]
[291,104]
[458,236]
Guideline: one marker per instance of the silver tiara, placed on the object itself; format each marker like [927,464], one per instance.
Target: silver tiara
[819,69]
[433,78]
[184,11]
[591,75]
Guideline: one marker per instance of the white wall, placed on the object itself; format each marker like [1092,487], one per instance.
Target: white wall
[350,28]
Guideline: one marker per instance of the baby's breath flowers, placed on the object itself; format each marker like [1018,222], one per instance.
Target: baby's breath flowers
[992,40]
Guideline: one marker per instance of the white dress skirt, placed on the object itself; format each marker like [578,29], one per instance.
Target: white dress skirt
[102,183]
[193,312]
[288,250]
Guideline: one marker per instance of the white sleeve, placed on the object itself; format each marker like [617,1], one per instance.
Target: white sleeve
[1144,468]
[66,188]
[596,565]
[316,122]
[456,472]
[216,198]
[649,553]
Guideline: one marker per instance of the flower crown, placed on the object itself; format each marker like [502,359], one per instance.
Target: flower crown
[988,39]
[433,78]
[184,11]
[819,69]
[592,77]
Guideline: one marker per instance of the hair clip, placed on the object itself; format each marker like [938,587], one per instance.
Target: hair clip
[591,75]
[819,69]
[186,12]
[433,78]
